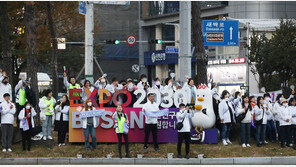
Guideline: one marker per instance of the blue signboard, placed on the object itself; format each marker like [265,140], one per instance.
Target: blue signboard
[161,57]
[172,50]
[220,32]
[82,7]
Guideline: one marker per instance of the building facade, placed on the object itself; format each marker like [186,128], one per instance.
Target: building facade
[227,65]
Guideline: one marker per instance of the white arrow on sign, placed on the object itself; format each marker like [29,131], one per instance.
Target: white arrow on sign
[230,29]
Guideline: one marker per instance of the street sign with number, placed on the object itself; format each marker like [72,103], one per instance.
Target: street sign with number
[131,40]
[220,32]
[135,68]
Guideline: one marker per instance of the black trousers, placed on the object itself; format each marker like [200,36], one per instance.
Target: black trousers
[285,134]
[61,137]
[18,110]
[125,136]
[153,129]
[183,136]
[26,139]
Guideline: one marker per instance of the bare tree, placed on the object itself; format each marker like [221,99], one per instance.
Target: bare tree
[54,63]
[198,42]
[5,36]
[32,63]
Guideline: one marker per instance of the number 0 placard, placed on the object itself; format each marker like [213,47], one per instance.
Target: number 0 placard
[131,40]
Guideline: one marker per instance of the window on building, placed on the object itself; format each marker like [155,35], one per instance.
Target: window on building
[168,34]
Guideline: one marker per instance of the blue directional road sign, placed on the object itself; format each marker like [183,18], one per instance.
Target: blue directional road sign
[220,32]
[82,7]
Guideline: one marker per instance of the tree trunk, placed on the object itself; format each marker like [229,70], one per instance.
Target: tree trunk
[198,43]
[54,63]
[32,63]
[7,61]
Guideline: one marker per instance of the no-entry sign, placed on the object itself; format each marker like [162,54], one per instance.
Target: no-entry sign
[131,40]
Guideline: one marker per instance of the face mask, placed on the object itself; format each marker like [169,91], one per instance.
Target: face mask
[28,107]
[5,82]
[285,104]
[183,109]
[103,80]
[89,103]
[157,83]
[226,98]
[130,86]
[246,104]
[144,79]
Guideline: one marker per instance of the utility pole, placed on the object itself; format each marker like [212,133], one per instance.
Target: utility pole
[185,56]
[89,40]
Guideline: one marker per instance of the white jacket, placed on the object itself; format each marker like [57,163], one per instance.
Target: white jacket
[259,114]
[22,115]
[249,116]
[187,89]
[186,123]
[110,88]
[269,105]
[224,112]
[140,85]
[293,112]
[43,109]
[150,107]
[216,94]
[284,115]
[100,85]
[64,111]
[95,121]
[276,111]
[84,96]
[7,114]
[4,89]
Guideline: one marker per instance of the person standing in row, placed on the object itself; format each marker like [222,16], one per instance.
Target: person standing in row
[292,109]
[120,119]
[261,112]
[245,108]
[46,104]
[89,126]
[72,85]
[5,87]
[150,122]
[20,95]
[27,114]
[7,119]
[271,131]
[86,85]
[276,114]
[226,114]
[62,119]
[184,116]
[285,123]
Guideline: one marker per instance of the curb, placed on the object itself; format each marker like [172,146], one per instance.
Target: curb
[152,161]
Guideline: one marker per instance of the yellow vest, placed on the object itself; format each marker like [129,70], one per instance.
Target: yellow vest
[72,87]
[120,123]
[48,102]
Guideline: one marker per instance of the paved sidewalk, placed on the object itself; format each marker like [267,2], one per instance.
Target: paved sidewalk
[150,161]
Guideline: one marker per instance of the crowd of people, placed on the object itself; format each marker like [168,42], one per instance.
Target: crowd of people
[256,116]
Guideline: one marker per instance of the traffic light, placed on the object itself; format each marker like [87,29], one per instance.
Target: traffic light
[156,41]
[116,42]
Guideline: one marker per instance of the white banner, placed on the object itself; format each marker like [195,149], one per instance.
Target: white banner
[159,113]
[92,113]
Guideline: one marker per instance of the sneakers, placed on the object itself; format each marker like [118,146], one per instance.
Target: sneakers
[244,145]
[4,150]
[187,156]
[63,144]
[179,156]
[228,141]
[291,145]
[156,149]
[9,150]
[224,143]
[265,142]
[248,145]
[60,145]
[49,137]
[44,137]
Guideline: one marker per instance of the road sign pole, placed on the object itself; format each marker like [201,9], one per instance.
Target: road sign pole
[89,29]
[184,59]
